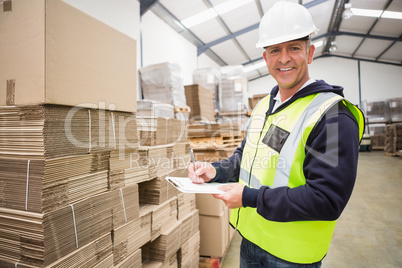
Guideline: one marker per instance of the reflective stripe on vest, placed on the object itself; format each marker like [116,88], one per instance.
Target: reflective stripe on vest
[300,241]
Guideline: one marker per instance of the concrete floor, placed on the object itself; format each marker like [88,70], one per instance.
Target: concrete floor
[369,232]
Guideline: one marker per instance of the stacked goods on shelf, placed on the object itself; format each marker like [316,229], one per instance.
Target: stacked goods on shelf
[163,82]
[233,89]
[377,112]
[201,103]
[377,116]
[395,109]
[208,78]
[393,139]
[377,136]
[153,108]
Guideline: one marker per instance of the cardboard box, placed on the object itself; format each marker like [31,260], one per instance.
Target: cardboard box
[53,53]
[214,235]
[209,206]
[201,102]
[255,99]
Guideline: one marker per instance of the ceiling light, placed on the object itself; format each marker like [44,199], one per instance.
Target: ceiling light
[392,15]
[333,47]
[212,12]
[199,18]
[347,13]
[376,13]
[230,5]
[255,66]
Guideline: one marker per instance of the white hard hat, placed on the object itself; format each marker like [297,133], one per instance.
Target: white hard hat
[283,22]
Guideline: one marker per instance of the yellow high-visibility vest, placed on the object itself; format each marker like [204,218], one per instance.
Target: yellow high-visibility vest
[273,156]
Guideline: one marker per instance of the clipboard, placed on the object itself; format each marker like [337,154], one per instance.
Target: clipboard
[185,185]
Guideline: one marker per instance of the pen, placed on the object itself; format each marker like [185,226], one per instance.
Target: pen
[192,158]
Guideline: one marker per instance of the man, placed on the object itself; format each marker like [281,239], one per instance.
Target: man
[297,166]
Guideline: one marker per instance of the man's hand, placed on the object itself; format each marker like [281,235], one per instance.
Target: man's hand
[232,196]
[205,172]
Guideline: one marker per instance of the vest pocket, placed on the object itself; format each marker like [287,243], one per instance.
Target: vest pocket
[275,137]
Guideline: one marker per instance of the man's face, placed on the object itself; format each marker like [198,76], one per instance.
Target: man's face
[287,63]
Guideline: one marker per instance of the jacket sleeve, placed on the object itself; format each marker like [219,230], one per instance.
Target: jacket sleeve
[228,170]
[330,168]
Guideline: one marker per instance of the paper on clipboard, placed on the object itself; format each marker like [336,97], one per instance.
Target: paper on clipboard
[185,185]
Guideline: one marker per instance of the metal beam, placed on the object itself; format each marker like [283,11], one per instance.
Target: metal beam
[164,14]
[145,5]
[223,24]
[359,59]
[385,50]
[334,24]
[203,48]
[379,37]
[372,26]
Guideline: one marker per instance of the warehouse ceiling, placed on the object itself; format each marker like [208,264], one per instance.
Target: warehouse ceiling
[229,38]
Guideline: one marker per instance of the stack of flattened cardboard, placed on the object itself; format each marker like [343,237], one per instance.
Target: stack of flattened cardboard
[189,253]
[156,191]
[54,161]
[47,185]
[158,131]
[50,131]
[41,239]
[162,216]
[185,204]
[125,168]
[153,108]
[130,237]
[203,130]
[181,155]
[158,159]
[201,103]
[209,78]
[133,260]
[167,244]
[172,239]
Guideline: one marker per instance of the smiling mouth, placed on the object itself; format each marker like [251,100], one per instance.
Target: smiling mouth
[284,69]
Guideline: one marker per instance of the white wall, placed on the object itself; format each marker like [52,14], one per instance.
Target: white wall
[123,16]
[378,81]
[340,72]
[163,44]
[206,62]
